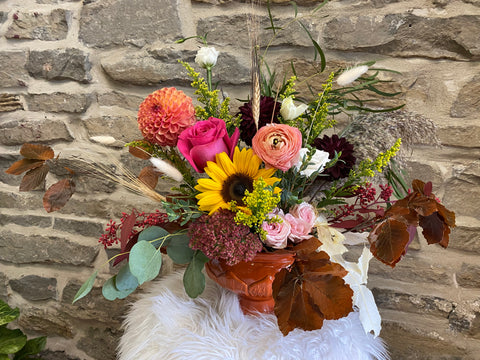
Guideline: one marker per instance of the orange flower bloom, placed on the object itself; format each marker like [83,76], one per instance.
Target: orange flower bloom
[278,145]
[164,114]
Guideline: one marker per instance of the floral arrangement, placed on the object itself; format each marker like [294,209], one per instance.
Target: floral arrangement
[263,179]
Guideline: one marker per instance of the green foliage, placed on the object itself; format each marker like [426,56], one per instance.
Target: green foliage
[14,342]
[193,278]
[183,210]
[145,261]
[86,287]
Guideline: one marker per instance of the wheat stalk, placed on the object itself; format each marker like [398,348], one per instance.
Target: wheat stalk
[253,26]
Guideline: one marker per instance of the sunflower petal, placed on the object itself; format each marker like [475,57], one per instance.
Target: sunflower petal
[224,162]
[215,172]
[208,185]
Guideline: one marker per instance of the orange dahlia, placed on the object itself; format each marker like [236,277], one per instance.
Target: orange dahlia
[164,114]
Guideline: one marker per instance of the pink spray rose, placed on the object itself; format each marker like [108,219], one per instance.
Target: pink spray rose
[277,232]
[202,141]
[278,145]
[301,218]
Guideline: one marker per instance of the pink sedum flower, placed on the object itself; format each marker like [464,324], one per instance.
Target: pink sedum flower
[278,145]
[164,114]
[277,232]
[201,142]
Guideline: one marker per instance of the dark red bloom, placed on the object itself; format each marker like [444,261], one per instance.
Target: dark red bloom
[269,110]
[337,144]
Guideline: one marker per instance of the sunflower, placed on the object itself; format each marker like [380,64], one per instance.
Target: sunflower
[229,179]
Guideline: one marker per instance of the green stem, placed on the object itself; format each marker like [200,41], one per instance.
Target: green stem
[209,78]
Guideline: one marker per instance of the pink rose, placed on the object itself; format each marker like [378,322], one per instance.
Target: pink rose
[300,229]
[277,232]
[278,145]
[304,211]
[202,141]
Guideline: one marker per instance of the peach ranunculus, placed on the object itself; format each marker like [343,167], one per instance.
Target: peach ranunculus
[301,218]
[278,145]
[277,232]
[164,114]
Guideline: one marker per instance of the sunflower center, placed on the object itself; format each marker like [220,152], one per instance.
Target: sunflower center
[234,188]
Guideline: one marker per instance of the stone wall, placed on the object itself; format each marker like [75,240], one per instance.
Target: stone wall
[70,70]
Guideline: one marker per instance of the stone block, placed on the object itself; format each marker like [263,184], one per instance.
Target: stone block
[469,276]
[100,344]
[80,227]
[229,30]
[412,303]
[122,22]
[465,135]
[115,98]
[58,102]
[35,288]
[460,197]
[60,64]
[467,103]
[124,127]
[139,68]
[46,322]
[26,220]
[39,26]
[13,64]
[55,355]
[18,248]
[27,128]
[465,238]
[465,318]
[3,287]
[10,102]
[407,343]
[405,35]
[21,201]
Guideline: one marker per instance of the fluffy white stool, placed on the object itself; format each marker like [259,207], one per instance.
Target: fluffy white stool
[165,324]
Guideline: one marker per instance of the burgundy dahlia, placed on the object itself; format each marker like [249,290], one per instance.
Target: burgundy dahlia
[268,107]
[345,162]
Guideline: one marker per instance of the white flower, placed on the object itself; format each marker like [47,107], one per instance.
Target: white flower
[317,162]
[289,111]
[104,140]
[167,169]
[206,57]
[349,76]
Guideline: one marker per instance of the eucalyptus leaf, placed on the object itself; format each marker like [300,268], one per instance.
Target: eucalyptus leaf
[86,287]
[7,314]
[11,341]
[145,261]
[110,291]
[193,278]
[125,279]
[178,249]
[156,235]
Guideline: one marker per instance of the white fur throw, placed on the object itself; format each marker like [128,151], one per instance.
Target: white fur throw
[165,324]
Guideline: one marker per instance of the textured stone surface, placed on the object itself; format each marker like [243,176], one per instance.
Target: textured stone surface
[18,248]
[224,30]
[3,287]
[84,228]
[124,128]
[462,188]
[60,64]
[10,102]
[35,288]
[45,322]
[467,102]
[40,26]
[28,129]
[466,238]
[13,73]
[55,355]
[100,343]
[58,102]
[420,304]
[116,98]
[121,22]
[406,35]
[469,276]
[465,135]
[26,220]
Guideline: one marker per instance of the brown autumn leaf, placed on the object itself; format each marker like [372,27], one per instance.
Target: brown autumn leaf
[58,194]
[139,152]
[34,178]
[312,291]
[37,152]
[149,176]
[20,166]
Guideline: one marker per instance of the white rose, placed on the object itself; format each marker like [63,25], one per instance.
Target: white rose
[289,111]
[206,57]
[316,163]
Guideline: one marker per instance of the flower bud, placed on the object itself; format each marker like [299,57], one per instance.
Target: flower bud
[289,111]
[206,57]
